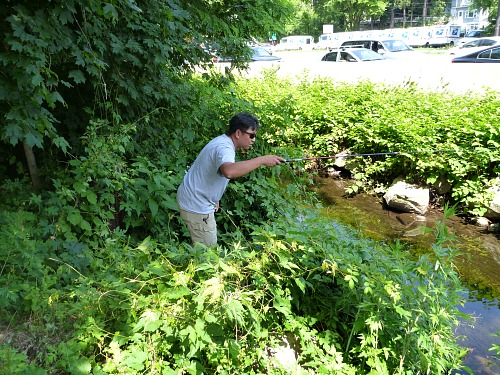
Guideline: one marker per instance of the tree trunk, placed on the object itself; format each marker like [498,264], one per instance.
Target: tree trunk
[30,158]
[497,25]
[424,12]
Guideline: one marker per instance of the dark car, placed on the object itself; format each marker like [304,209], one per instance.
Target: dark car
[257,54]
[262,54]
[488,55]
[354,54]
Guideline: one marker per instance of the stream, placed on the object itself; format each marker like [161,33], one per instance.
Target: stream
[478,266]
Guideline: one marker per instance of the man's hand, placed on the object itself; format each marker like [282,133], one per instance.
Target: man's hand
[272,160]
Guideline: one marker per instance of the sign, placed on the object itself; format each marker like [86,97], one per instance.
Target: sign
[327,29]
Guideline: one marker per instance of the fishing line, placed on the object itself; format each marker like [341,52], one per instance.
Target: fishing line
[341,155]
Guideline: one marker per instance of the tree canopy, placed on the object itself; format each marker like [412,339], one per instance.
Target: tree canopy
[64,62]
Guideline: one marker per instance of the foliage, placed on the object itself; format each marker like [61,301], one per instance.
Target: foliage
[357,11]
[496,348]
[96,274]
[493,9]
[67,62]
[163,307]
[324,118]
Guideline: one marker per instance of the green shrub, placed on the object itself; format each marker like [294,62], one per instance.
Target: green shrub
[322,118]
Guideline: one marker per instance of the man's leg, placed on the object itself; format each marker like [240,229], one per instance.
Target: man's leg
[201,227]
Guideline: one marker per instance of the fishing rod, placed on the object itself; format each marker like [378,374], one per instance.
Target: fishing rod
[368,154]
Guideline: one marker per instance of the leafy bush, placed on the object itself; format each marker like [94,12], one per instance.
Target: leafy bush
[323,118]
[167,308]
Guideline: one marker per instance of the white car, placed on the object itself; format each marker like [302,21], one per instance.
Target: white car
[475,45]
[470,36]
[389,48]
[353,54]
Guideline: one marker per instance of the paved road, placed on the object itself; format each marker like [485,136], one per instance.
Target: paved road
[429,71]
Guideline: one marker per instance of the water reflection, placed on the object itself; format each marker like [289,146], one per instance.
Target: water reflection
[478,266]
[478,335]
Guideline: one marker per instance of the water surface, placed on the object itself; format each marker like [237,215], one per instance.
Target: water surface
[478,265]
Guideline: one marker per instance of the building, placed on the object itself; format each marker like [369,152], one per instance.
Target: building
[468,19]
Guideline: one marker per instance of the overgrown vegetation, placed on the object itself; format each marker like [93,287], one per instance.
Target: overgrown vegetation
[98,277]
[163,307]
[96,272]
[322,118]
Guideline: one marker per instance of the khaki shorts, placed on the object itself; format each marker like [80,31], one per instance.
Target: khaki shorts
[201,227]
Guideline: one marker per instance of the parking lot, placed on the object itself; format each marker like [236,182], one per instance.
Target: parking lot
[431,70]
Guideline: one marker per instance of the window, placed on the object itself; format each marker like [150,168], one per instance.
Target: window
[332,56]
[344,56]
[471,14]
[495,54]
[484,55]
[487,42]
[474,43]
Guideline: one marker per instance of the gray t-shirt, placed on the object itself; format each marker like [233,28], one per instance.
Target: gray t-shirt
[203,184]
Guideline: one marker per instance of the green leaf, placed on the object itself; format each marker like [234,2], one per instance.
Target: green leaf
[77,76]
[56,97]
[74,217]
[92,197]
[81,366]
[33,140]
[170,203]
[153,206]
[176,293]
[301,283]
[85,225]
[135,359]
[149,322]
[109,9]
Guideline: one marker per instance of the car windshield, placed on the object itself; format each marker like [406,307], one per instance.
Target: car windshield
[474,43]
[261,52]
[396,45]
[474,34]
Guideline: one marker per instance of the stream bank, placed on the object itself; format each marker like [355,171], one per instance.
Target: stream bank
[478,265]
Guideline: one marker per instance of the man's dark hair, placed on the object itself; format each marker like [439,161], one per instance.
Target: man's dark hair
[242,121]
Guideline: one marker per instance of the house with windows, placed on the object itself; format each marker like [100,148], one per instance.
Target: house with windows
[468,19]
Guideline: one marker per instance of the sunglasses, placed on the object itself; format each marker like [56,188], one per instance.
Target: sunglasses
[251,135]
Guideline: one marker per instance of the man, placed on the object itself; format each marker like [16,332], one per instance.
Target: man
[204,184]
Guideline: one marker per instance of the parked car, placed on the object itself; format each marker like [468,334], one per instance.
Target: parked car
[258,54]
[389,48]
[470,36]
[354,54]
[262,54]
[488,55]
[476,45]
